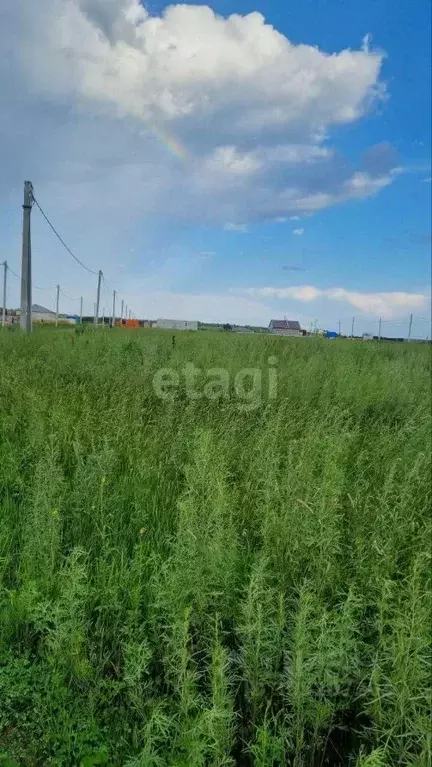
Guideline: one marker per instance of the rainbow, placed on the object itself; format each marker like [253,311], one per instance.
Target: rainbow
[173,145]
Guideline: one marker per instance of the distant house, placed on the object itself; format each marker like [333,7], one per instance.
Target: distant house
[176,324]
[285,328]
[41,314]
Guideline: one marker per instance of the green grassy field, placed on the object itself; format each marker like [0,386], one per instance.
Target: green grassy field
[191,582]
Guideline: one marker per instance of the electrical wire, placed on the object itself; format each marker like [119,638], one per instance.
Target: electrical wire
[14,273]
[70,298]
[91,271]
[34,287]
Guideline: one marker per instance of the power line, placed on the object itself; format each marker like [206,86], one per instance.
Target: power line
[70,298]
[44,290]
[14,273]
[91,271]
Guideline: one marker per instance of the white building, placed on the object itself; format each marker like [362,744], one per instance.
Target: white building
[41,314]
[176,324]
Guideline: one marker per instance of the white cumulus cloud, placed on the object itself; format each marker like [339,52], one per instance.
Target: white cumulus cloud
[386,305]
[186,114]
[191,63]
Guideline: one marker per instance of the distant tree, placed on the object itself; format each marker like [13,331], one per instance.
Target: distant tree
[227,327]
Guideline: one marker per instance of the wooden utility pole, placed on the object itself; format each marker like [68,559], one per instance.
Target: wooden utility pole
[81,309]
[352,327]
[5,268]
[339,327]
[26,291]
[121,313]
[379,329]
[410,327]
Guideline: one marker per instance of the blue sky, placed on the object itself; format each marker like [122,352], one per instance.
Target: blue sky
[234,161]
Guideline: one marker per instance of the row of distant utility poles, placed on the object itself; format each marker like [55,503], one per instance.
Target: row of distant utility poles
[96,307]
[124,310]
[26,282]
[379,327]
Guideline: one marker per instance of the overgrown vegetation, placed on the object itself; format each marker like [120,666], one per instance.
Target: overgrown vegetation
[183,583]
